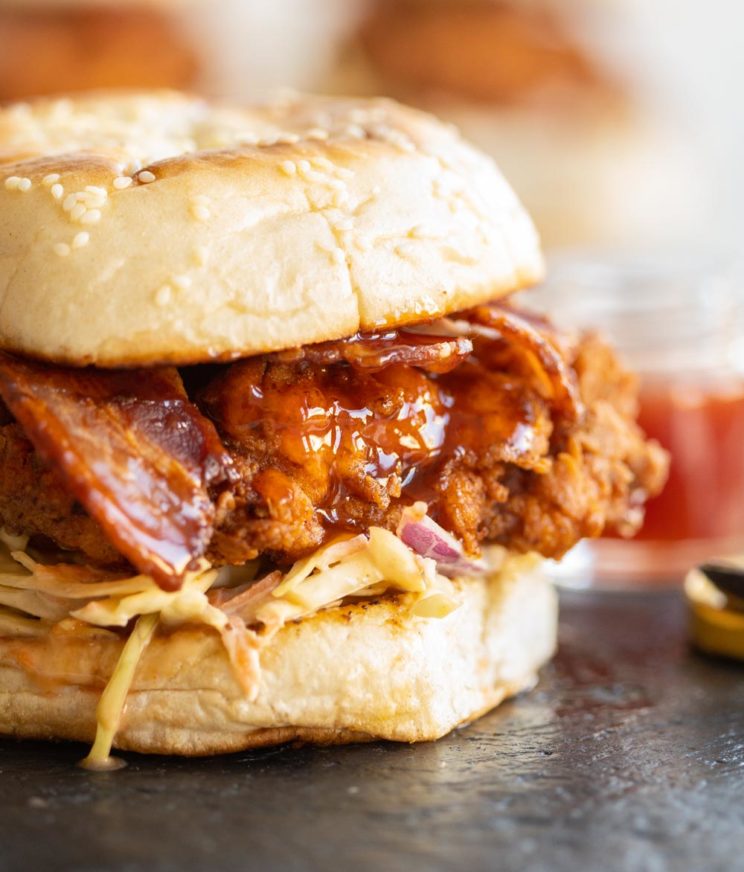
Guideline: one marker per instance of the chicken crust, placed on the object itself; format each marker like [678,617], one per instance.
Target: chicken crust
[319,447]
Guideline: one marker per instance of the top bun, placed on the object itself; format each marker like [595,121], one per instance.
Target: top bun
[138,229]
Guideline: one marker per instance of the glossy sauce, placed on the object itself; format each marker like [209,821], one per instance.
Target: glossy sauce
[703,428]
[375,433]
[344,431]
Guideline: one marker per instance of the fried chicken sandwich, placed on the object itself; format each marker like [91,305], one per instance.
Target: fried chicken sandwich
[280,456]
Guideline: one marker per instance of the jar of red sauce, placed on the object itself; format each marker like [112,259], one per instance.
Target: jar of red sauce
[678,323]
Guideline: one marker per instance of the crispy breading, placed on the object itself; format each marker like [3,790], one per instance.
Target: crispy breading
[34,501]
[508,446]
[503,464]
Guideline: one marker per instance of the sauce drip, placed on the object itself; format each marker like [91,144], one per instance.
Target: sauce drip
[339,431]
[349,433]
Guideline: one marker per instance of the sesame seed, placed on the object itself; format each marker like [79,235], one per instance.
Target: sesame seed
[70,202]
[163,295]
[317,133]
[81,239]
[92,216]
[339,257]
[288,139]
[57,191]
[146,176]
[49,180]
[201,213]
[182,282]
[18,183]
[288,167]
[304,166]
[121,182]
[62,249]
[78,211]
[94,197]
[200,255]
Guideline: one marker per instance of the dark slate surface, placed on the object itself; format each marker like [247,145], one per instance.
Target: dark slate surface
[628,756]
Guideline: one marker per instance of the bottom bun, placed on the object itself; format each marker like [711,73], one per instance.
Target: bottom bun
[358,672]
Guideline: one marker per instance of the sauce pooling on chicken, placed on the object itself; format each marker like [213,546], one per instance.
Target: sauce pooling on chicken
[368,423]
[511,433]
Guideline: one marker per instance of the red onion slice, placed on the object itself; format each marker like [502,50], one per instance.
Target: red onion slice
[428,539]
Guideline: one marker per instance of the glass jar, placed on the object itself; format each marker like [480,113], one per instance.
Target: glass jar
[678,322]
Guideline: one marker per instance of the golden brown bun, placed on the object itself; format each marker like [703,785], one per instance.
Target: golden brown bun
[250,230]
[348,674]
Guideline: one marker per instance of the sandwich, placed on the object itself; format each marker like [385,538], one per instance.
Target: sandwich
[280,455]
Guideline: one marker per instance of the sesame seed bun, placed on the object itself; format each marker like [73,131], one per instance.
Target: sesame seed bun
[149,228]
[376,672]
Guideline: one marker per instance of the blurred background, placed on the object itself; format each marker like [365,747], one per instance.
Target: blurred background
[617,121]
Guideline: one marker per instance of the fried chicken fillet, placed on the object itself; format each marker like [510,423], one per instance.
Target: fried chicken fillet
[511,433]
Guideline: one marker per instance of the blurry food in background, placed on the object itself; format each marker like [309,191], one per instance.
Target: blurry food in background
[51,46]
[679,322]
[534,85]
[490,52]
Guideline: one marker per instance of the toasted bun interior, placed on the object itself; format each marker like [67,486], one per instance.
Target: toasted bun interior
[355,672]
[149,228]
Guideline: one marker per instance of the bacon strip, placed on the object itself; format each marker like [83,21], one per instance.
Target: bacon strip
[132,450]
[543,356]
[373,352]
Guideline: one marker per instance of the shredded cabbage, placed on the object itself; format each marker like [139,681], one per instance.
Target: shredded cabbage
[35,596]
[111,704]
